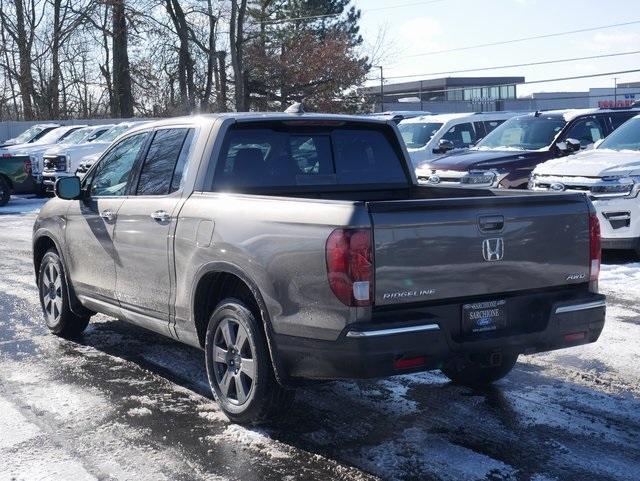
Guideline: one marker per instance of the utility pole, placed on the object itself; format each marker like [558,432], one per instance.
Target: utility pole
[615,91]
[381,88]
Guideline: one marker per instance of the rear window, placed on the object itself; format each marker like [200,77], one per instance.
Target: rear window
[273,157]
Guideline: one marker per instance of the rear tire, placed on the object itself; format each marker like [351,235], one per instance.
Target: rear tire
[239,367]
[473,373]
[5,192]
[54,298]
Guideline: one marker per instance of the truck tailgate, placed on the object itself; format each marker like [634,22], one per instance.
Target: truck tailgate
[450,248]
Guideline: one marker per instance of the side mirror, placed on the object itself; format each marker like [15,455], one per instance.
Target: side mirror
[569,146]
[67,188]
[444,146]
[573,145]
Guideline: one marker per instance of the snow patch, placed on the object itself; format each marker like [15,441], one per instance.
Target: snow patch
[139,412]
[253,439]
[398,459]
[14,426]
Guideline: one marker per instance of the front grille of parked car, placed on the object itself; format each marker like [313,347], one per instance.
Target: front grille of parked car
[55,162]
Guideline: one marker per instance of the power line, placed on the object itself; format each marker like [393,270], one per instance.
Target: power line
[529,64]
[310,17]
[528,82]
[524,39]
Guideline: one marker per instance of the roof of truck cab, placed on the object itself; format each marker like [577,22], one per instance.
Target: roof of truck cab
[569,114]
[259,116]
[444,118]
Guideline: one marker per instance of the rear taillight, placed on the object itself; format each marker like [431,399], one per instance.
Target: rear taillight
[350,266]
[27,166]
[595,254]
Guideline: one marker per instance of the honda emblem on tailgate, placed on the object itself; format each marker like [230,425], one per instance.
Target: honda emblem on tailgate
[493,249]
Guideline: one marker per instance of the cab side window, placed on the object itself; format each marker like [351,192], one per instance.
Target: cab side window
[462,135]
[620,118]
[165,162]
[113,173]
[587,131]
[489,125]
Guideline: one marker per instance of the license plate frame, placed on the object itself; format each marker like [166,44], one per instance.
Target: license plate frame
[484,316]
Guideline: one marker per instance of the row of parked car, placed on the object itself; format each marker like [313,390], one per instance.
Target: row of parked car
[561,150]
[593,151]
[32,161]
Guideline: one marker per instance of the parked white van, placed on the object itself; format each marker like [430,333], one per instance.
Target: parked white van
[610,176]
[429,136]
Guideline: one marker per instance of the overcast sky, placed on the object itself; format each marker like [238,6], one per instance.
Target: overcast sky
[412,27]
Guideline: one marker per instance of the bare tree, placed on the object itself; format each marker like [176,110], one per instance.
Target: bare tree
[122,96]
[236,46]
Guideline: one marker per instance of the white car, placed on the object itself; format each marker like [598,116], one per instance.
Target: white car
[34,151]
[58,160]
[30,135]
[430,136]
[610,176]
[68,161]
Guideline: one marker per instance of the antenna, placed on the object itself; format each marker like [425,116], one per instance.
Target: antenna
[295,108]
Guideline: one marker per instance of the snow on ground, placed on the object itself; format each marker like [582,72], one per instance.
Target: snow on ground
[123,403]
[23,204]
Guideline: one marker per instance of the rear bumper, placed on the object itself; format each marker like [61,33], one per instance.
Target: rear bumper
[372,349]
[631,243]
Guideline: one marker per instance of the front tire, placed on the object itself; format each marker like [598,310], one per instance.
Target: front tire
[5,192]
[54,298]
[239,368]
[477,373]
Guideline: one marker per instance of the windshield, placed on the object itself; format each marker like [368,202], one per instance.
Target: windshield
[523,133]
[77,136]
[28,134]
[114,132]
[53,136]
[416,135]
[625,137]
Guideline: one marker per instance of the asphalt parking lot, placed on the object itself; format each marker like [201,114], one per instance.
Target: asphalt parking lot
[123,403]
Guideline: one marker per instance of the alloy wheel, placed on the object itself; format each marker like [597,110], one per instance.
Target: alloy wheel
[51,292]
[234,361]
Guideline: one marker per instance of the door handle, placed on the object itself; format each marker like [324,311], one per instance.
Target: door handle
[491,223]
[108,215]
[161,216]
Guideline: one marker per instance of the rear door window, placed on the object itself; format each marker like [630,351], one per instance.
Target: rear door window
[266,157]
[462,135]
[587,131]
[163,166]
[489,125]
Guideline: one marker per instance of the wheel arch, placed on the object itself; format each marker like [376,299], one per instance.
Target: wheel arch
[44,240]
[220,280]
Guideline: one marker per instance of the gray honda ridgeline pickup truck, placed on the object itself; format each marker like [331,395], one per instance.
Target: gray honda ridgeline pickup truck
[292,246]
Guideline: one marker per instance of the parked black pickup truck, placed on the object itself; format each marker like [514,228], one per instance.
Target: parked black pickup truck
[293,246]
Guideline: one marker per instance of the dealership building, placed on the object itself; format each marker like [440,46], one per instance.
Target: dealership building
[487,94]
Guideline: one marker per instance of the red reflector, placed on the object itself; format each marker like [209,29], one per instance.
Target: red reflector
[575,336]
[408,362]
[595,253]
